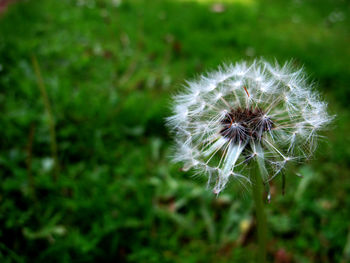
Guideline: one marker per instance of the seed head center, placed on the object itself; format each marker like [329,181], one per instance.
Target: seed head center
[245,124]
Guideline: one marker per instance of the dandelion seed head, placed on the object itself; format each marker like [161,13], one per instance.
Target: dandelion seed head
[243,112]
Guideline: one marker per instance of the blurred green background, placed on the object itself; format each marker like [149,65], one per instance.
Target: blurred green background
[84,153]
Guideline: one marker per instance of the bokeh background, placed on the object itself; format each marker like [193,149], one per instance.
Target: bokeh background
[85,176]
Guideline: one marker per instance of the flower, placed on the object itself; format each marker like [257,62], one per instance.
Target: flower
[245,113]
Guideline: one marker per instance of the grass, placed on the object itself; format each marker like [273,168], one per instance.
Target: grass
[109,69]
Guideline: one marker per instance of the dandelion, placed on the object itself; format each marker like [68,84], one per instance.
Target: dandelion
[243,114]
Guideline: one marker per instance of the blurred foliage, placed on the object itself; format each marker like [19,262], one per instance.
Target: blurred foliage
[109,69]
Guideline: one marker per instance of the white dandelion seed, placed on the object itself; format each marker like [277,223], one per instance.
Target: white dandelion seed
[243,113]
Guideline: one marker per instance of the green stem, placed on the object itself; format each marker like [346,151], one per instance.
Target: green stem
[260,214]
[41,85]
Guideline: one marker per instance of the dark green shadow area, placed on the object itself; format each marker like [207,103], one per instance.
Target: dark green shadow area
[109,69]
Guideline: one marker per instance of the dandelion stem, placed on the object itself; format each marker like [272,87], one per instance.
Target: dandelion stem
[260,214]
